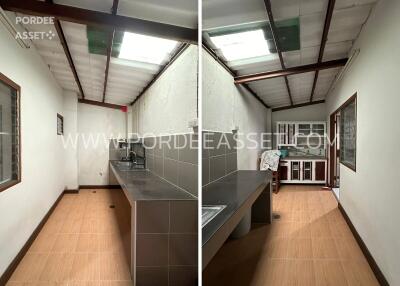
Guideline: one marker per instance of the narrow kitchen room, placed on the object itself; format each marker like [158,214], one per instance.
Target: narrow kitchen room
[98,149]
[300,169]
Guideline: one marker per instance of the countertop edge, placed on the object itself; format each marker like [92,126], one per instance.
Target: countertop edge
[266,181]
[129,195]
[214,242]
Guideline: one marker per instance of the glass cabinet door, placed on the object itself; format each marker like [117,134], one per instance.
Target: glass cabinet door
[304,129]
[282,133]
[295,170]
[318,128]
[291,134]
[307,170]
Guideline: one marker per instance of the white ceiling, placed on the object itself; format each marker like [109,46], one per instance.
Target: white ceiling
[347,21]
[175,12]
[126,79]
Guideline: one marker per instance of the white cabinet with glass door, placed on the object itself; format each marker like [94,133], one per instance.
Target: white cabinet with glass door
[301,134]
[296,171]
[286,133]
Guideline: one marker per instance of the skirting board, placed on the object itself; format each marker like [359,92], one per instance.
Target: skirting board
[13,265]
[100,187]
[71,191]
[371,261]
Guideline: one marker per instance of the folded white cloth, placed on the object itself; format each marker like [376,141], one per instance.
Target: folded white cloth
[270,160]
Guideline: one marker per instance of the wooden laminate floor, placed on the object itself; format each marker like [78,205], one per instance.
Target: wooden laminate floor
[309,245]
[84,242]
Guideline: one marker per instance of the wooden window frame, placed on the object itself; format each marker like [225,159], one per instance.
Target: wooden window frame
[59,116]
[344,105]
[17,88]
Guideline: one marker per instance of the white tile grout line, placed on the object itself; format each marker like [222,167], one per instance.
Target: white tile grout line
[221,178]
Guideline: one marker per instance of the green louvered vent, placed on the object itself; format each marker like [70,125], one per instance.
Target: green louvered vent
[289,35]
[98,39]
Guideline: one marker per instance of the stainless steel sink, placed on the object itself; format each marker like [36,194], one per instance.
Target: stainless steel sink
[124,163]
[208,213]
[129,166]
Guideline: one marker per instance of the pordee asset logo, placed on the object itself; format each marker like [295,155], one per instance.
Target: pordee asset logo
[35,35]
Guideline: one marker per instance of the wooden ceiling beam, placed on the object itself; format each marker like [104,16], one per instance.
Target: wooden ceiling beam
[297,105]
[275,36]
[232,73]
[67,52]
[290,71]
[178,52]
[109,49]
[101,20]
[328,20]
[102,104]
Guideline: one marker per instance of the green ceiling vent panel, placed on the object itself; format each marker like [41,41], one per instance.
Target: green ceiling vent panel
[288,35]
[98,40]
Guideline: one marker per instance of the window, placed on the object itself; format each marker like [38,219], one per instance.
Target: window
[60,124]
[348,133]
[10,154]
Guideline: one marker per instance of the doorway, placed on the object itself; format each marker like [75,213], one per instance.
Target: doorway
[334,175]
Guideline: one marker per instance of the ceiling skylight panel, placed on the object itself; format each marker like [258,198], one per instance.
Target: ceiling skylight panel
[242,45]
[146,49]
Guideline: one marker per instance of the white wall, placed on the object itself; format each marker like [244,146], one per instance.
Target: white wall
[23,206]
[225,106]
[371,196]
[170,103]
[70,113]
[315,112]
[96,126]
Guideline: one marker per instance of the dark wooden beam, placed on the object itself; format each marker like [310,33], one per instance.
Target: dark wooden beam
[328,19]
[67,52]
[109,49]
[297,105]
[275,36]
[217,59]
[248,88]
[102,104]
[290,71]
[225,66]
[101,19]
[178,52]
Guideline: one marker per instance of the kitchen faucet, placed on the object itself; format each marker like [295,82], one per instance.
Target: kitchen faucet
[133,158]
